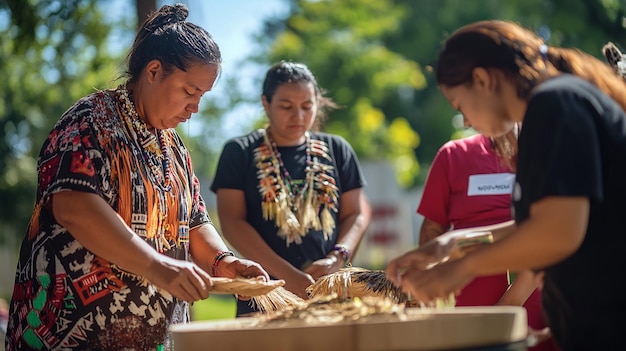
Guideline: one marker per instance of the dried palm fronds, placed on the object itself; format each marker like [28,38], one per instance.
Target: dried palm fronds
[351,282]
[276,300]
[333,309]
[244,286]
[265,295]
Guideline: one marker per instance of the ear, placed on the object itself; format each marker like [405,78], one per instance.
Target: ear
[484,79]
[153,70]
[266,105]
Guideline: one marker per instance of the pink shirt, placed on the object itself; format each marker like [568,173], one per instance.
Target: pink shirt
[468,185]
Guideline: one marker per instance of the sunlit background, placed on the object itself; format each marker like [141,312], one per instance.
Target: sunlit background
[373,57]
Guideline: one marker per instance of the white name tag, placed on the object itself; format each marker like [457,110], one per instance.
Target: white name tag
[490,184]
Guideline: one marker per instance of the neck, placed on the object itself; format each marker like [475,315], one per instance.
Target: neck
[516,107]
[134,91]
[279,141]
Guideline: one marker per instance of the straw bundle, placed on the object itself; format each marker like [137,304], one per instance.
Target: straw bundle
[244,286]
[265,295]
[276,300]
[351,282]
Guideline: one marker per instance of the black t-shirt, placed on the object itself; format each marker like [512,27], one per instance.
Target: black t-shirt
[237,170]
[573,143]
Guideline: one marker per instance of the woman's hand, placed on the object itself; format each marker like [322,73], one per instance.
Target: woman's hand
[425,256]
[184,280]
[233,267]
[429,284]
[537,336]
[297,281]
[323,266]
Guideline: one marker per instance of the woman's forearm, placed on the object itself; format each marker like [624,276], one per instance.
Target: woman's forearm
[204,244]
[555,229]
[520,289]
[498,231]
[354,218]
[430,230]
[96,226]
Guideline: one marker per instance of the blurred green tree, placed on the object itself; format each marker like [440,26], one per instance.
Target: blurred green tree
[52,53]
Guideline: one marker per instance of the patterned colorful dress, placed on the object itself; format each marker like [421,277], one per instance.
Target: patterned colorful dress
[66,297]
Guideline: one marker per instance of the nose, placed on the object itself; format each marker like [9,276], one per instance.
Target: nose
[193,108]
[299,113]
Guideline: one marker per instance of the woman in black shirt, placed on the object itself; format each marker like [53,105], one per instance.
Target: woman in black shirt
[570,190]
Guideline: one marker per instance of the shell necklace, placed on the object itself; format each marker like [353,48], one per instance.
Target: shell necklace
[153,150]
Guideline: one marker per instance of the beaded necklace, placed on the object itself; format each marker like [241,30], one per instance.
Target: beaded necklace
[292,189]
[150,145]
[297,211]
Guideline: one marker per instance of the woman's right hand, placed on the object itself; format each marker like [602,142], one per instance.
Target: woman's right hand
[424,257]
[297,282]
[184,280]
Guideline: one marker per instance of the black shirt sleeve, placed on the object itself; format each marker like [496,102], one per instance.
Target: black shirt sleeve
[559,151]
[348,166]
[229,173]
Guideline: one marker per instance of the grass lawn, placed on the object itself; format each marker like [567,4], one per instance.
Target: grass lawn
[215,307]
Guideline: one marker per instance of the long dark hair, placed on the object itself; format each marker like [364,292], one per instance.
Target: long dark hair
[166,36]
[295,72]
[522,56]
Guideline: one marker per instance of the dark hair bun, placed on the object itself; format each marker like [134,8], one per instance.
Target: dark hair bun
[170,14]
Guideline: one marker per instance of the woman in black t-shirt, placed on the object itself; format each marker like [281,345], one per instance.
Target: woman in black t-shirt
[570,192]
[289,196]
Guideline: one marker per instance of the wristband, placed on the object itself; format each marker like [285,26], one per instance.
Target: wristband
[344,253]
[218,257]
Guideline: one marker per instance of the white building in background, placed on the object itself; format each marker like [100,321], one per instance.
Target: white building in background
[394,227]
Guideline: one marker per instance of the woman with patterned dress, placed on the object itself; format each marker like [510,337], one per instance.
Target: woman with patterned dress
[290,197]
[120,241]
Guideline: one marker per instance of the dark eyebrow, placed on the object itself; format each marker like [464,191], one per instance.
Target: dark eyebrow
[197,88]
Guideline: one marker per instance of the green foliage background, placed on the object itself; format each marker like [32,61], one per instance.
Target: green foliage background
[372,56]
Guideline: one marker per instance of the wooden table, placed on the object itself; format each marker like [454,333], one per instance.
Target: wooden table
[460,328]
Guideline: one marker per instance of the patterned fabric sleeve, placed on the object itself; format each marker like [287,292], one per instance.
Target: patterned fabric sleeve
[71,155]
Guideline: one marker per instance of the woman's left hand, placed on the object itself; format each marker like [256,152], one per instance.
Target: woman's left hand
[324,266]
[233,267]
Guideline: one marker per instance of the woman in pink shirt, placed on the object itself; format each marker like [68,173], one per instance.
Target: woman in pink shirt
[469,185]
